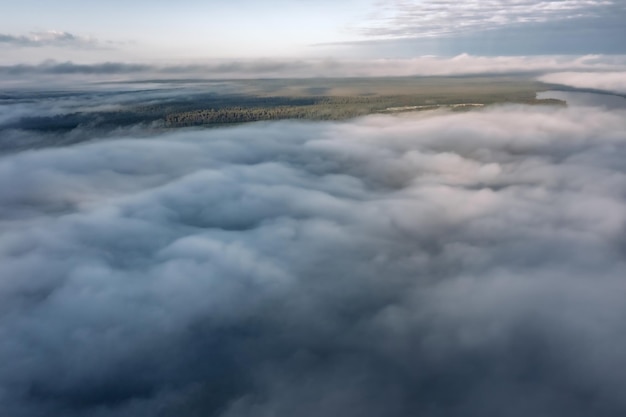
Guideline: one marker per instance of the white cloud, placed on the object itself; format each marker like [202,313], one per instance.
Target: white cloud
[608,81]
[385,266]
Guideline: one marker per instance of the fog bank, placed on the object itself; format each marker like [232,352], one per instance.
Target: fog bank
[430,264]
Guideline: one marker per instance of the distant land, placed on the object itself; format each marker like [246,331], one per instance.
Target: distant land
[168,104]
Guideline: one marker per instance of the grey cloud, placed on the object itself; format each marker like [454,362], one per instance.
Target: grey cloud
[115,68]
[54,73]
[58,68]
[51,38]
[430,264]
[443,17]
[495,28]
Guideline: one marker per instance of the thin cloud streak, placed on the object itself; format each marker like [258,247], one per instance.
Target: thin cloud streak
[70,72]
[52,38]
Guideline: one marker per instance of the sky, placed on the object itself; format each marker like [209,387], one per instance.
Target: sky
[95,31]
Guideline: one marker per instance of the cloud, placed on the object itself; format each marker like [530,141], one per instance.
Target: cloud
[428,264]
[50,38]
[69,68]
[55,72]
[608,81]
[503,27]
[401,19]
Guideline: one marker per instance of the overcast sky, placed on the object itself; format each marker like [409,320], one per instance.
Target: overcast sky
[89,31]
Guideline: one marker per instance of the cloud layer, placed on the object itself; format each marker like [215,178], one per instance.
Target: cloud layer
[431,265]
[54,72]
[444,17]
[497,27]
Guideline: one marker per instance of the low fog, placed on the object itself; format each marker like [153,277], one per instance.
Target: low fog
[614,82]
[433,264]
